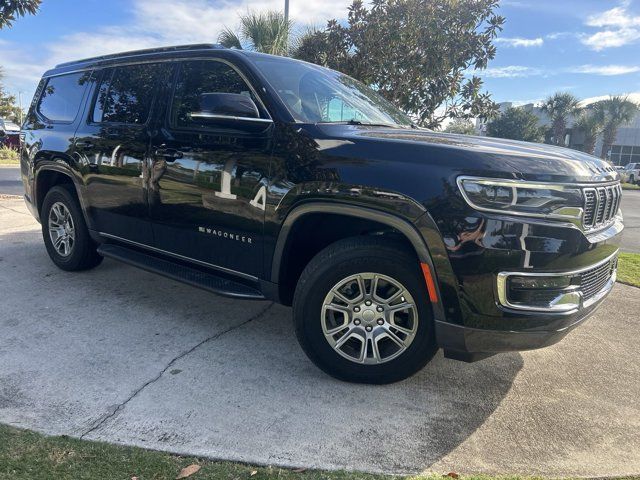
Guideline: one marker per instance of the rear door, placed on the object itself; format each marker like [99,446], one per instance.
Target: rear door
[207,187]
[114,143]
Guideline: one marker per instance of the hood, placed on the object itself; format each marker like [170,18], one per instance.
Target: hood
[483,155]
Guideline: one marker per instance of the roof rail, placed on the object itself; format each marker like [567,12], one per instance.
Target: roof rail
[133,53]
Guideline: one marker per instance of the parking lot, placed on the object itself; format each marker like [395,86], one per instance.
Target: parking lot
[121,355]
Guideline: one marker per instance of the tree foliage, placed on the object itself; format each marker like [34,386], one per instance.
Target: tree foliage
[560,107]
[516,124]
[9,108]
[461,126]
[266,32]
[419,54]
[614,112]
[10,10]
[590,123]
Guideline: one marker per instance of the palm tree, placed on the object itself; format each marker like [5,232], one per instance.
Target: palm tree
[560,107]
[590,123]
[266,32]
[615,111]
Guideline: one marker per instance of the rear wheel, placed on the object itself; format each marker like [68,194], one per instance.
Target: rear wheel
[65,232]
[362,313]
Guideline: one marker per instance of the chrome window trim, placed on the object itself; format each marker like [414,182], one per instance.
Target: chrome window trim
[229,117]
[503,300]
[181,257]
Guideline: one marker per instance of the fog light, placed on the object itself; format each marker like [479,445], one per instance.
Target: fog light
[549,293]
[540,282]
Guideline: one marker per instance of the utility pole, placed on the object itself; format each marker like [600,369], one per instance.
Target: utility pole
[20,106]
[286,11]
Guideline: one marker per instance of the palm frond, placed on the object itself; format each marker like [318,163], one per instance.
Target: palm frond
[229,39]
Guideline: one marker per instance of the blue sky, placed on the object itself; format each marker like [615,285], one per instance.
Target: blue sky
[588,47]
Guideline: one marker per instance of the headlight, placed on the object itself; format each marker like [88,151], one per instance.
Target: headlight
[513,197]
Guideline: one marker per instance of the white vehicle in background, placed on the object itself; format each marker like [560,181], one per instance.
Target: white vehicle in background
[631,173]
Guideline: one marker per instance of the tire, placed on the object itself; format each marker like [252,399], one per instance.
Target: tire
[632,180]
[80,251]
[369,257]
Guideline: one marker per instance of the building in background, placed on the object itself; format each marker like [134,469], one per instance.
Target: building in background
[626,148]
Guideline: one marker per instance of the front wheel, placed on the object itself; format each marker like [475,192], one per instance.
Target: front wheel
[362,313]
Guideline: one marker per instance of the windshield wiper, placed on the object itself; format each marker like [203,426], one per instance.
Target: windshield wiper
[353,121]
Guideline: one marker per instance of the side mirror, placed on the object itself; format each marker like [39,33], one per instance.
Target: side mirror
[231,106]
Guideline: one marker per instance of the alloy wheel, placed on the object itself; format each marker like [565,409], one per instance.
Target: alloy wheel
[61,229]
[369,318]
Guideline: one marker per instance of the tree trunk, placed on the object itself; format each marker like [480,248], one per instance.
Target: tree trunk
[608,137]
[559,131]
[589,144]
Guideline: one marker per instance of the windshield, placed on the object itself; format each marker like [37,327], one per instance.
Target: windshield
[318,95]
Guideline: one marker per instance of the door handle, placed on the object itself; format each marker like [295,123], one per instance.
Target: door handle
[169,154]
[84,145]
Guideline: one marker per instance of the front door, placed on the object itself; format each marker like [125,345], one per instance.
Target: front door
[113,145]
[208,177]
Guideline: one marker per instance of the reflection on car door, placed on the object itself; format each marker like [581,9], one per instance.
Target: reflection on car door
[114,143]
[208,179]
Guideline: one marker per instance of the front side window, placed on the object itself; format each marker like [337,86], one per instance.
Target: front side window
[318,95]
[61,97]
[198,78]
[125,93]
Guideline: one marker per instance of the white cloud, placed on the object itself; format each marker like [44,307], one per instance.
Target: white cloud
[620,27]
[633,96]
[608,70]
[520,42]
[152,23]
[510,71]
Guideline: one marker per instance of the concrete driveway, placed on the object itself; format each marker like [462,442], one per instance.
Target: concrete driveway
[120,355]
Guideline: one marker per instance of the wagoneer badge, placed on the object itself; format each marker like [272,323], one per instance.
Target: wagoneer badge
[223,234]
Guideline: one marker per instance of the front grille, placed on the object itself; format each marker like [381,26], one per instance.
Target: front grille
[600,205]
[594,280]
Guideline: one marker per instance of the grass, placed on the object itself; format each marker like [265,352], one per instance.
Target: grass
[629,269]
[28,455]
[630,186]
[8,156]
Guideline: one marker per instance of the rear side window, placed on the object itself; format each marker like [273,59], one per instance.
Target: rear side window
[198,77]
[125,93]
[61,97]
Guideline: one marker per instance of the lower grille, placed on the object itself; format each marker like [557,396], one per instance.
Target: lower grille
[594,280]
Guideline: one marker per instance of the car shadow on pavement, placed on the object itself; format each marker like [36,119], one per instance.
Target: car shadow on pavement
[176,368]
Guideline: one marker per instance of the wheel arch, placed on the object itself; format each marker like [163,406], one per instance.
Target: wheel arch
[396,224]
[49,172]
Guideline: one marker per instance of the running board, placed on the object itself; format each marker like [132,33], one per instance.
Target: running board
[181,273]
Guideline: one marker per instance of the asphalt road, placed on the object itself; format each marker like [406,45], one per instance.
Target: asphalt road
[11,184]
[121,355]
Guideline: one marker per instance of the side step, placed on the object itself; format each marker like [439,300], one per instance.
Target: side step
[179,272]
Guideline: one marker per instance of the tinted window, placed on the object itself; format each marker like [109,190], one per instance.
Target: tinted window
[61,97]
[198,77]
[315,94]
[125,93]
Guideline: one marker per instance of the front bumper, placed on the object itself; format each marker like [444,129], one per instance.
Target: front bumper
[488,321]
[471,344]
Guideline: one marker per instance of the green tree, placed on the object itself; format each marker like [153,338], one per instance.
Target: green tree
[9,108]
[516,124]
[419,54]
[11,9]
[615,112]
[461,126]
[560,106]
[267,32]
[590,123]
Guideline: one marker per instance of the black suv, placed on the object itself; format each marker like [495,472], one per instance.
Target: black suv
[262,177]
